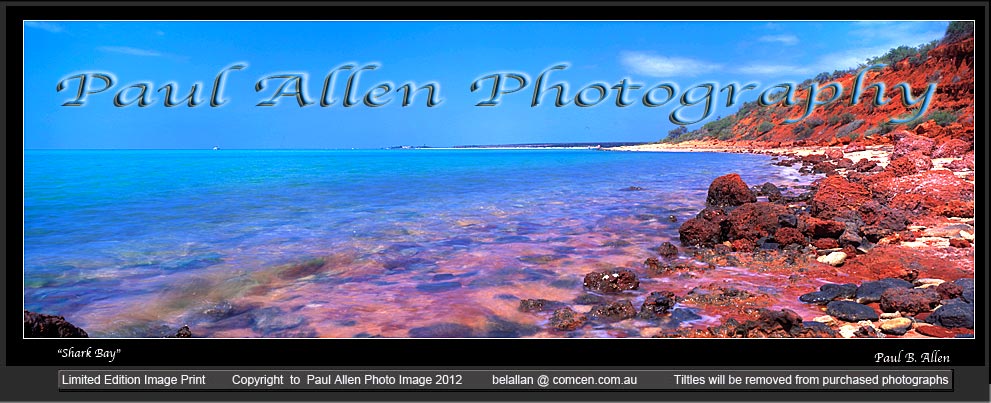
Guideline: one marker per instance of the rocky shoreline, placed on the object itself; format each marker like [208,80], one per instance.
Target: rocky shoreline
[888,232]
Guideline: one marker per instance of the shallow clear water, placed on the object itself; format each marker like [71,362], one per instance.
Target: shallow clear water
[387,242]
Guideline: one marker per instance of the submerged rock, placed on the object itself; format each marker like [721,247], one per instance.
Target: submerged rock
[614,312]
[683,315]
[589,299]
[499,327]
[668,250]
[657,304]
[300,270]
[716,294]
[441,330]
[611,281]
[272,319]
[193,262]
[538,305]
[184,332]
[439,286]
[567,319]
[41,325]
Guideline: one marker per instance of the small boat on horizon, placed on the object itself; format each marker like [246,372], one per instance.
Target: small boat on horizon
[216,147]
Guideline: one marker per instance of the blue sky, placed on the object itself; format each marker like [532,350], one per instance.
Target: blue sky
[453,54]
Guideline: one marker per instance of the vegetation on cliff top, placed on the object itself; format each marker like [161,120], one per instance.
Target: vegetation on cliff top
[947,62]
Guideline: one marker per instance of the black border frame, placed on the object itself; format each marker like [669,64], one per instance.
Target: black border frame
[509,353]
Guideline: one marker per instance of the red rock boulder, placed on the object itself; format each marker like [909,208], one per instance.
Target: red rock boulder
[753,221]
[906,142]
[729,190]
[910,164]
[951,149]
[836,197]
[699,232]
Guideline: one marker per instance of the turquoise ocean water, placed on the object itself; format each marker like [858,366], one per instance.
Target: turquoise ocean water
[326,243]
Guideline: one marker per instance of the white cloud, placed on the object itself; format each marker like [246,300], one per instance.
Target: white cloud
[773,69]
[130,51]
[876,38]
[160,33]
[785,39]
[665,66]
[47,26]
[867,39]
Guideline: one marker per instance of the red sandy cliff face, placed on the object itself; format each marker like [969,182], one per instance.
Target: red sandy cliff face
[949,65]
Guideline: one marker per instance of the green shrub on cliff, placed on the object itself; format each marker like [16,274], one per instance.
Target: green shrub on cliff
[805,129]
[764,127]
[880,130]
[958,30]
[720,128]
[942,118]
[893,56]
[841,119]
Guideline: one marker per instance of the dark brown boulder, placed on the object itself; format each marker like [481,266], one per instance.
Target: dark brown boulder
[949,290]
[909,300]
[614,312]
[41,325]
[774,324]
[772,192]
[184,332]
[657,304]
[567,319]
[668,250]
[538,305]
[611,281]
